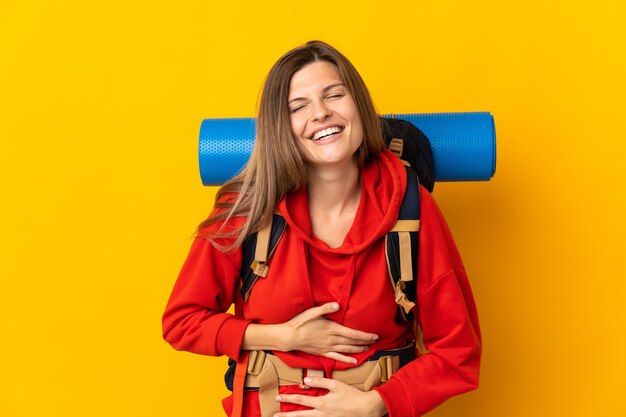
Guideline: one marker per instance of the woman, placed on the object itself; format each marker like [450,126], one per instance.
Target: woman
[326,307]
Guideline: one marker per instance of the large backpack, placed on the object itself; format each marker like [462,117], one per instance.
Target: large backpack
[401,243]
[408,143]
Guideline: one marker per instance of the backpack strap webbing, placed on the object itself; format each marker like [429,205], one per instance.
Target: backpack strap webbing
[237,381]
[259,265]
[401,249]
[257,248]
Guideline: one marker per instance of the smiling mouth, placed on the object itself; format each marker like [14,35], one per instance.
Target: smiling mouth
[326,133]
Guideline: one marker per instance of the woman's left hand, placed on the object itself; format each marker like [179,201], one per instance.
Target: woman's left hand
[342,400]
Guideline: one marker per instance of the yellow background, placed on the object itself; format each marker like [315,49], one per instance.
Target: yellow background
[100,107]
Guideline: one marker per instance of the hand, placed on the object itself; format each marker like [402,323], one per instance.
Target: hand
[310,332]
[342,400]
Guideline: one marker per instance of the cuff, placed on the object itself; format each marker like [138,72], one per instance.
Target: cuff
[395,397]
[230,337]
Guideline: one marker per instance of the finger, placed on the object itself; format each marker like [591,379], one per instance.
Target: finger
[349,348]
[356,336]
[339,341]
[340,358]
[300,413]
[304,400]
[334,341]
[317,312]
[328,384]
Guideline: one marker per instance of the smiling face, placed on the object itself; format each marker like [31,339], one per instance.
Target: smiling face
[325,122]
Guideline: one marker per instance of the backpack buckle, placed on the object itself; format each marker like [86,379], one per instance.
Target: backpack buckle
[396,146]
[402,300]
[256,360]
[389,365]
[259,268]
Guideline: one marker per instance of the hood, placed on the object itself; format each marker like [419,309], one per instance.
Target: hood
[384,183]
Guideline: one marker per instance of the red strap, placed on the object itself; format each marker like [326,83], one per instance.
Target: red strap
[238,384]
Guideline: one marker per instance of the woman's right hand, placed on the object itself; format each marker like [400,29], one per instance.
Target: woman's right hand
[310,332]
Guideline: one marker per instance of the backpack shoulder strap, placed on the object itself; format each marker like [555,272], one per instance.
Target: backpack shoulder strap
[401,249]
[257,249]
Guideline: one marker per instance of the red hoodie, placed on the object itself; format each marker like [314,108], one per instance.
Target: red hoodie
[306,272]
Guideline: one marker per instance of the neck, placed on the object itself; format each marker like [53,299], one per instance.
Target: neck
[333,189]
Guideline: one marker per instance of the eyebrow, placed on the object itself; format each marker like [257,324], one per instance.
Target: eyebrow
[325,90]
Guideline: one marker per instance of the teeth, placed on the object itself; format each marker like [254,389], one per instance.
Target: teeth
[326,132]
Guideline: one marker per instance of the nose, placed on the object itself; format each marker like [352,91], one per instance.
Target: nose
[320,111]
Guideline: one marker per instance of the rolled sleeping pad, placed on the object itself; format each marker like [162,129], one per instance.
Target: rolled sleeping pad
[463,145]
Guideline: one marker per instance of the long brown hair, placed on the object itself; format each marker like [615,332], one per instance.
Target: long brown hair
[276,167]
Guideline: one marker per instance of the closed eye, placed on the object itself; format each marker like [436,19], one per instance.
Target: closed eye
[335,95]
[295,109]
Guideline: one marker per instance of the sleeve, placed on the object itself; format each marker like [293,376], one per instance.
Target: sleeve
[449,321]
[195,318]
